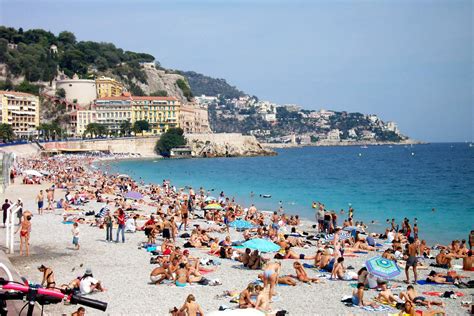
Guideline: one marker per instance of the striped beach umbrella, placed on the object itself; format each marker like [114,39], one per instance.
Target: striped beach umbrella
[342,236]
[213,206]
[382,268]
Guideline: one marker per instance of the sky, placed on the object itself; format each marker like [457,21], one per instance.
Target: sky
[408,61]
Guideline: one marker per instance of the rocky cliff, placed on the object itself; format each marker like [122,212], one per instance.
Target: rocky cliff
[160,80]
[226,145]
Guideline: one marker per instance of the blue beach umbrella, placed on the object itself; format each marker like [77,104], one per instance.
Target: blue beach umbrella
[382,268]
[241,224]
[262,245]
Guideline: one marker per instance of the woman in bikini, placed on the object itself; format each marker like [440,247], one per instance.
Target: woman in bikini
[244,297]
[182,275]
[48,277]
[25,229]
[270,277]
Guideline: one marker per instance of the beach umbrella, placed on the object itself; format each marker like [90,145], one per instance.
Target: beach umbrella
[44,172]
[241,224]
[342,236]
[262,245]
[32,172]
[213,206]
[382,268]
[210,199]
[134,195]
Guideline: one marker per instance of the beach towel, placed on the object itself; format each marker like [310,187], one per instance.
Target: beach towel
[259,282]
[424,282]
[435,293]
[68,222]
[351,255]
[361,252]
[381,308]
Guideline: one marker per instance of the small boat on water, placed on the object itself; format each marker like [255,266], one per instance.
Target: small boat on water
[266,196]
[365,146]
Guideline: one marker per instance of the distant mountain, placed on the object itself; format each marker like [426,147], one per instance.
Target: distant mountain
[202,84]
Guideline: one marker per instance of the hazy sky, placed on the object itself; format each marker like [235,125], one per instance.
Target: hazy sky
[407,61]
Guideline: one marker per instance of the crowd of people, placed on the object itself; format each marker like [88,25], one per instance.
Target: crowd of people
[187,218]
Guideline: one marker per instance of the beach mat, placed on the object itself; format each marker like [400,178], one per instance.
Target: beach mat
[438,294]
[361,252]
[258,282]
[424,282]
[351,255]
[381,308]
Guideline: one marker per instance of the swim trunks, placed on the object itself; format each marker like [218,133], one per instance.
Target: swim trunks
[411,261]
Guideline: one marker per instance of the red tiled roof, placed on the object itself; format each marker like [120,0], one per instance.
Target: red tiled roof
[20,94]
[137,98]
[149,98]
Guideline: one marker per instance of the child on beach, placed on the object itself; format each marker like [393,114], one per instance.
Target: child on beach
[75,236]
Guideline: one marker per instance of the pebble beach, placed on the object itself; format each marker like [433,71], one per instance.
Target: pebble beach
[124,270]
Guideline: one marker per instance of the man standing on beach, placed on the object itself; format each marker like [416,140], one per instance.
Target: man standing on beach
[5,208]
[412,259]
[40,200]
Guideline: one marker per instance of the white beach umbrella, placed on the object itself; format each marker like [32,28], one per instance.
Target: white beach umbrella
[32,172]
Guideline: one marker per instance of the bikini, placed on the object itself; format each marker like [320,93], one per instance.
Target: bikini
[268,273]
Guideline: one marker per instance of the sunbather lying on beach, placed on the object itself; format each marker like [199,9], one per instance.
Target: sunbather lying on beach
[409,309]
[301,274]
[287,253]
[412,296]
[451,278]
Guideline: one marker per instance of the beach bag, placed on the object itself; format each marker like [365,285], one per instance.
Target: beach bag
[185,235]
[203,281]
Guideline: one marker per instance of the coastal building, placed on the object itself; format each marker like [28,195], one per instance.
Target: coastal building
[203,99]
[108,87]
[193,118]
[392,127]
[21,111]
[161,113]
[84,118]
[113,111]
[80,91]
[334,135]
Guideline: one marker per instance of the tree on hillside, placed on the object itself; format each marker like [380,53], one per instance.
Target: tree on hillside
[6,132]
[140,126]
[60,93]
[183,85]
[170,139]
[159,93]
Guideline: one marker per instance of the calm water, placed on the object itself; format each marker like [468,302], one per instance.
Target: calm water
[379,182]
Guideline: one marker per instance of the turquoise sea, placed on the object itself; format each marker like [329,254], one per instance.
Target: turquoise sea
[380,182]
